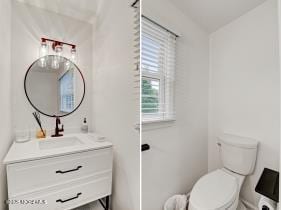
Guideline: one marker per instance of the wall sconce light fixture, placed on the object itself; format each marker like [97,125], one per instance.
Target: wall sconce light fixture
[57,47]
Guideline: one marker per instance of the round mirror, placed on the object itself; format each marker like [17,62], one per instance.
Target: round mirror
[54,86]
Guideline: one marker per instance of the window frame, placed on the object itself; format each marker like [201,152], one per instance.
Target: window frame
[166,103]
[62,107]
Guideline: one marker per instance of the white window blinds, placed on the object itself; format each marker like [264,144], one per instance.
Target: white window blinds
[158,49]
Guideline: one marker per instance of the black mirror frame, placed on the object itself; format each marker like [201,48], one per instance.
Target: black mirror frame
[84,85]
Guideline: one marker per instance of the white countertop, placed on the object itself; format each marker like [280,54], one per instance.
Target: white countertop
[30,150]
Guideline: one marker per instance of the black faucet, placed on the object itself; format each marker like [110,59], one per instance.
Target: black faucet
[57,129]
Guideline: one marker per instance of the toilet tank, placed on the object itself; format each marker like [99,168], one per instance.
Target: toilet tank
[238,153]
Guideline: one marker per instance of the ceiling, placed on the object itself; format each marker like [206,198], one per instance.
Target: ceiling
[210,14]
[84,10]
[213,14]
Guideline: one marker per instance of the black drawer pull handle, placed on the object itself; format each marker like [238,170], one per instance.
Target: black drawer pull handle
[63,172]
[69,199]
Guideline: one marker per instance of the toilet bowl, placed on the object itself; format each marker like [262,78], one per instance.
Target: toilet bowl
[219,190]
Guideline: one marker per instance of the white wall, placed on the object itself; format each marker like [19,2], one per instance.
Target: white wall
[245,88]
[5,95]
[178,155]
[114,99]
[29,24]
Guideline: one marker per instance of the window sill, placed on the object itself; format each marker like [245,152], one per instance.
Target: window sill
[157,124]
[147,122]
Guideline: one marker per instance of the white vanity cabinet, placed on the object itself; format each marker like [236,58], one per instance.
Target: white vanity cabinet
[61,177]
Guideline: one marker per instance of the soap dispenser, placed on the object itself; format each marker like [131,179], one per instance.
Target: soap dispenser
[84,127]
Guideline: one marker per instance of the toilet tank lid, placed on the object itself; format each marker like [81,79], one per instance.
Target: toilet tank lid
[238,141]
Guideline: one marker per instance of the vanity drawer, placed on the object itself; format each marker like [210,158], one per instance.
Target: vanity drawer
[26,177]
[66,196]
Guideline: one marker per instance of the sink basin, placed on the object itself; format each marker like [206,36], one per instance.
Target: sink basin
[59,142]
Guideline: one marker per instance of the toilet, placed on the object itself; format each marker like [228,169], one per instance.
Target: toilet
[219,190]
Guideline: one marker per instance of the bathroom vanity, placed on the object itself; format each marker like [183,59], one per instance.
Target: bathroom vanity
[63,171]
[58,173]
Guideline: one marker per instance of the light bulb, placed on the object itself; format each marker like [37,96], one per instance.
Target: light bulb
[73,56]
[57,57]
[58,50]
[55,62]
[43,51]
[42,62]
[67,65]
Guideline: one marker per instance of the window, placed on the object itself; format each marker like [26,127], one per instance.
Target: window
[158,68]
[66,92]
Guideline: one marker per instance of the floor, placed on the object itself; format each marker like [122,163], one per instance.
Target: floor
[91,206]
[240,207]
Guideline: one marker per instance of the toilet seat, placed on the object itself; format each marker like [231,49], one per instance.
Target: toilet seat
[214,191]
